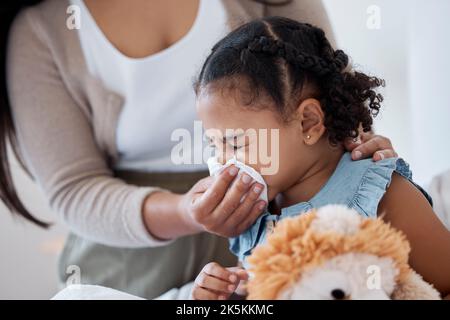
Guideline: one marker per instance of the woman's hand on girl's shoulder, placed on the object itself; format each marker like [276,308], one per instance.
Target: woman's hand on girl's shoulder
[369,145]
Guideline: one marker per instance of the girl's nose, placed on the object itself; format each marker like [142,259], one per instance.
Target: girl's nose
[225,156]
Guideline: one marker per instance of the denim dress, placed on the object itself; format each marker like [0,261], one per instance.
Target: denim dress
[357,184]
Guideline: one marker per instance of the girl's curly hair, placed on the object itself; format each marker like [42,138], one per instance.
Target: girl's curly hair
[288,61]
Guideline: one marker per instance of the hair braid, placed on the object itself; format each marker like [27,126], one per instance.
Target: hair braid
[302,60]
[280,56]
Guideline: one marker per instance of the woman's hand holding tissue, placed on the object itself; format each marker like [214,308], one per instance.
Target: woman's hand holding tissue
[214,206]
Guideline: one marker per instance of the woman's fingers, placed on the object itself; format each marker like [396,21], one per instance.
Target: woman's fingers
[351,143]
[222,208]
[368,145]
[202,185]
[384,154]
[232,200]
[368,148]
[251,217]
[215,193]
[246,208]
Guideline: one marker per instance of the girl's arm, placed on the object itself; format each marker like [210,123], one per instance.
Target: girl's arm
[408,210]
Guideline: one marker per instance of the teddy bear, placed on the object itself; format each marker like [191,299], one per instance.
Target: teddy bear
[334,253]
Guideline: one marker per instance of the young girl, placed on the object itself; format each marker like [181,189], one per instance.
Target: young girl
[276,73]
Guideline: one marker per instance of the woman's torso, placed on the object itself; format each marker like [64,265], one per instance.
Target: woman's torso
[159,103]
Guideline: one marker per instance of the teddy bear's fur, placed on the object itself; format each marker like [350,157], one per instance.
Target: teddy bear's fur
[312,255]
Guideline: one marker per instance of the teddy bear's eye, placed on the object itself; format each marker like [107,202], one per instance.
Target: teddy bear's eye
[338,294]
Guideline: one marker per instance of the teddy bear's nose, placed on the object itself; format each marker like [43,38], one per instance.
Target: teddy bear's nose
[338,294]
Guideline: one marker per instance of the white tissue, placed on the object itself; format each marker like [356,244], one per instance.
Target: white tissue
[216,167]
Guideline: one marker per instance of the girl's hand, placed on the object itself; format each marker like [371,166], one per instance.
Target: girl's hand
[370,145]
[213,206]
[216,282]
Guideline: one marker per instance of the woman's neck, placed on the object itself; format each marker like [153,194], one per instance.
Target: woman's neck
[311,180]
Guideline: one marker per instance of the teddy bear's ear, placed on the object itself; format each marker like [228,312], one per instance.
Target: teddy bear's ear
[415,288]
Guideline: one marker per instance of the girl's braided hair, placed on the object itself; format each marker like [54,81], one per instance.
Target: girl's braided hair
[284,59]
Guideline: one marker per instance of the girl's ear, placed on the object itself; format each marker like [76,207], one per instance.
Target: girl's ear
[312,119]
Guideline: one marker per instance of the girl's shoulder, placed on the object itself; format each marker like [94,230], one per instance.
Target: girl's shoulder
[368,167]
[361,184]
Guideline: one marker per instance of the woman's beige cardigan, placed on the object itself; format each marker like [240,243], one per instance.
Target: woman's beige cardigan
[66,120]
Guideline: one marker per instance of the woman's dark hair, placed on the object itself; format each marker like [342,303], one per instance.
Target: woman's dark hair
[8,193]
[286,60]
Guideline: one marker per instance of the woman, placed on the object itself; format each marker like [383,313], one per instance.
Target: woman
[93,109]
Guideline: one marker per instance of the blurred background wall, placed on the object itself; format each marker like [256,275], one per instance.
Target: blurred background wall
[406,42]
[28,254]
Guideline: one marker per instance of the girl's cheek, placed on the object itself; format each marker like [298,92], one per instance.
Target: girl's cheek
[243,156]
[225,154]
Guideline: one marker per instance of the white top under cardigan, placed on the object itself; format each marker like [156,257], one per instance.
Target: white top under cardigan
[157,89]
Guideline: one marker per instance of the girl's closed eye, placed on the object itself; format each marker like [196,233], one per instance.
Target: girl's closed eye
[233,144]
[239,142]
[211,143]
[237,147]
